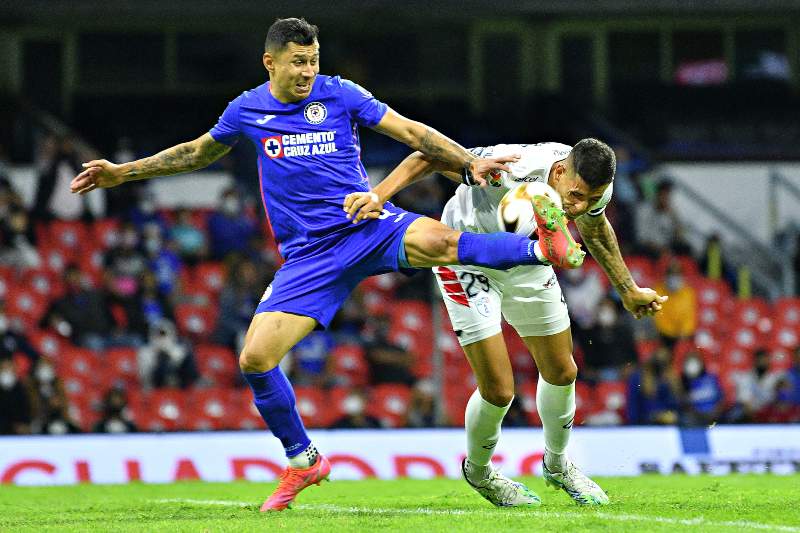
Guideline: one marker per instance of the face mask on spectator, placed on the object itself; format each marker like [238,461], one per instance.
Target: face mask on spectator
[353,405]
[692,368]
[606,317]
[45,373]
[674,282]
[230,206]
[130,239]
[7,379]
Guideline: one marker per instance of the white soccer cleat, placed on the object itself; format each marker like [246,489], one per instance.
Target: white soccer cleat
[575,483]
[502,491]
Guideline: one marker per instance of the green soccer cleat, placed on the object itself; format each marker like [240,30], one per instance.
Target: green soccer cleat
[502,491]
[555,240]
[575,483]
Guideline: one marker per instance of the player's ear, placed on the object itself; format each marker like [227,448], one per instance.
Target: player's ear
[269,62]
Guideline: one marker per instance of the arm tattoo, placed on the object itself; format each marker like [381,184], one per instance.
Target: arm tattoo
[437,146]
[180,158]
[602,243]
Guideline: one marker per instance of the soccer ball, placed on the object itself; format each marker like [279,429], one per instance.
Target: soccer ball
[515,210]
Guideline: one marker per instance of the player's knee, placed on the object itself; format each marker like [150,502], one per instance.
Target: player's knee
[251,360]
[446,246]
[563,374]
[498,395]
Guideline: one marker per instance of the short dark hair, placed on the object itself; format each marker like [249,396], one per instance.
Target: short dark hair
[594,161]
[291,30]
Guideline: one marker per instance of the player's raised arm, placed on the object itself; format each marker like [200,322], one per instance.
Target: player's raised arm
[600,239]
[183,157]
[437,146]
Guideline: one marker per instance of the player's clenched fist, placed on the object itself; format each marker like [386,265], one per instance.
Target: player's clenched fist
[362,206]
[97,174]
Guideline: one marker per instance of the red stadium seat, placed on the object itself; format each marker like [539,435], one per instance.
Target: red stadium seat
[787,311]
[54,259]
[210,277]
[787,337]
[780,359]
[336,398]
[47,343]
[106,232]
[749,312]
[349,365]
[390,403]
[68,235]
[25,306]
[711,293]
[195,321]
[121,366]
[527,395]
[746,337]
[78,362]
[168,407]
[218,364]
[646,348]
[215,407]
[456,395]
[734,357]
[44,282]
[642,270]
[609,408]
[312,405]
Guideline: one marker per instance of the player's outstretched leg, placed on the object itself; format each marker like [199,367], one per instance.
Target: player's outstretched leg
[555,240]
[270,336]
[483,421]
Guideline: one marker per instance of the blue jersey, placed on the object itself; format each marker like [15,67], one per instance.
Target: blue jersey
[308,154]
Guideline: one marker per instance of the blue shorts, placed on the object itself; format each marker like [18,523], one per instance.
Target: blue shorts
[317,279]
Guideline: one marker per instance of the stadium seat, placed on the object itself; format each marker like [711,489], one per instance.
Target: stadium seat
[120,367]
[780,359]
[336,398]
[44,282]
[609,406]
[168,407]
[218,364]
[214,408]
[735,357]
[46,342]
[642,270]
[78,362]
[69,235]
[787,311]
[54,259]
[527,395]
[711,293]
[349,365]
[194,321]
[106,232]
[26,306]
[389,403]
[312,404]
[210,277]
[646,348]
[749,312]
[784,336]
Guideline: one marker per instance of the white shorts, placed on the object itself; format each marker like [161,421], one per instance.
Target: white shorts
[477,298]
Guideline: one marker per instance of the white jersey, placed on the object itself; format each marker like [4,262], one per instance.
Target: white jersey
[475,208]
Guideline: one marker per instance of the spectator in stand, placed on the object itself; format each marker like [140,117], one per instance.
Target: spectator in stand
[783,410]
[793,375]
[584,291]
[82,314]
[44,384]
[659,231]
[678,317]
[713,264]
[309,359]
[229,231]
[190,240]
[240,295]
[53,199]
[626,195]
[701,397]
[422,407]
[17,240]
[755,388]
[155,305]
[125,264]
[609,353]
[56,420]
[144,212]
[388,362]
[355,416]
[350,320]
[16,413]
[12,342]
[516,416]
[115,416]
[162,260]
[166,360]
[652,391]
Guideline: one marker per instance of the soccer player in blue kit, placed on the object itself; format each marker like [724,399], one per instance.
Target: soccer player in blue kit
[305,128]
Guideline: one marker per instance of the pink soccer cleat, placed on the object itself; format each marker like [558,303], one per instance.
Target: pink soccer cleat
[293,480]
[555,240]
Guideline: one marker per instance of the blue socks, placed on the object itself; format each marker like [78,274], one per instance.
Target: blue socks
[496,250]
[275,400]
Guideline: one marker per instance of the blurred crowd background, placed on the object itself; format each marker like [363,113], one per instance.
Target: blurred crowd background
[125,310]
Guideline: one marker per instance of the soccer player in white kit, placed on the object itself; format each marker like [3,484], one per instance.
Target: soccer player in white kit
[529,298]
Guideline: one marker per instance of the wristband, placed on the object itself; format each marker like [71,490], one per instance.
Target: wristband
[466,175]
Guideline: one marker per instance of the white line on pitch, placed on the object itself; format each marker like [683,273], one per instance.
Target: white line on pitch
[688,522]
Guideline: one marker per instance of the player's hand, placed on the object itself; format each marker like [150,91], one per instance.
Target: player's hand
[643,302]
[362,206]
[481,167]
[97,174]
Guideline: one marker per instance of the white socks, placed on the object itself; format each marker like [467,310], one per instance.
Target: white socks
[556,405]
[482,422]
[304,459]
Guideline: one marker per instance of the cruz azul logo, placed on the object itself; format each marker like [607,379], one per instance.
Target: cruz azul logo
[300,144]
[315,113]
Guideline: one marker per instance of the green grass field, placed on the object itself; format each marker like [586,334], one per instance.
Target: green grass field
[643,504]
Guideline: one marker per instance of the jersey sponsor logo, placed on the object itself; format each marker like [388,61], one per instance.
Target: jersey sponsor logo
[266,119]
[315,112]
[527,179]
[273,146]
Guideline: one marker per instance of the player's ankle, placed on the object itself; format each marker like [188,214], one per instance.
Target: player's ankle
[476,473]
[305,459]
[555,462]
